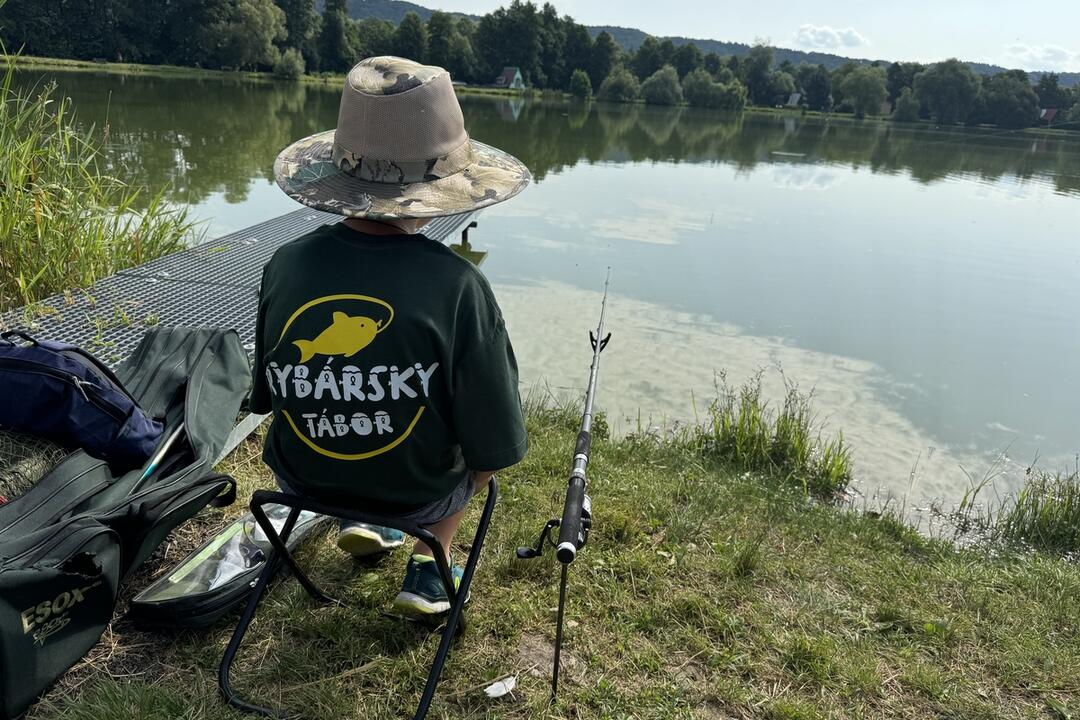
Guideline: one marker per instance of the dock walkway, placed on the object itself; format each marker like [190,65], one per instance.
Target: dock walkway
[215,283]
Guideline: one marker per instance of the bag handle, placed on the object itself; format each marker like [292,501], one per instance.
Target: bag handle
[227,496]
[18,334]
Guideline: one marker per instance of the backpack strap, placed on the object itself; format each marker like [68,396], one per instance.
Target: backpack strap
[227,496]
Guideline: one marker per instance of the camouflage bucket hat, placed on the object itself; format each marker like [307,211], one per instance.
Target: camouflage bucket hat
[400,150]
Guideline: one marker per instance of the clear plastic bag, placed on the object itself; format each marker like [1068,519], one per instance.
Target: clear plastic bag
[238,549]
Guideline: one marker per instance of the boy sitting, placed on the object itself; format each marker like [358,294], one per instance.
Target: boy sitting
[383,355]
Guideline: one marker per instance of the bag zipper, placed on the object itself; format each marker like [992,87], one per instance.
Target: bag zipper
[95,398]
[190,405]
[78,478]
[43,551]
[80,384]
[90,362]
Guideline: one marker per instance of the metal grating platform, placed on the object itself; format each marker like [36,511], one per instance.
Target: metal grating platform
[215,283]
[237,259]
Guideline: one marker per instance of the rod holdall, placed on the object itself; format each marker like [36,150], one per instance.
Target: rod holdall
[70,541]
[65,395]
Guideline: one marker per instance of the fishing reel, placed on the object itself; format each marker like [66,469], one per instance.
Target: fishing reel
[585,525]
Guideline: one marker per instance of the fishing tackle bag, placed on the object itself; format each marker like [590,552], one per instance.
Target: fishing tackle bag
[211,581]
[64,394]
[68,542]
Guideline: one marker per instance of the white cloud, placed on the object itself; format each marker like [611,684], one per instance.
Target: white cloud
[829,38]
[1043,57]
[804,177]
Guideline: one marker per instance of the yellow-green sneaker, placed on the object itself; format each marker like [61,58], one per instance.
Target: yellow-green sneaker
[422,592]
[360,539]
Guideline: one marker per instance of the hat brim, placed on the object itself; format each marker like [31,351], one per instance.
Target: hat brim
[306,172]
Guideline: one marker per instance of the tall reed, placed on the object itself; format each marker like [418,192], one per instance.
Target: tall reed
[1044,514]
[64,220]
[744,430]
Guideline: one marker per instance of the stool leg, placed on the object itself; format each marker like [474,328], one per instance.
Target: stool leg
[458,603]
[238,637]
[273,563]
[282,551]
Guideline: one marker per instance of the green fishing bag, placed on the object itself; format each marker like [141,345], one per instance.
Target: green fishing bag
[70,540]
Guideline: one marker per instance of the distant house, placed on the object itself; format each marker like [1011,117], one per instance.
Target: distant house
[794,100]
[510,78]
[510,108]
[1048,115]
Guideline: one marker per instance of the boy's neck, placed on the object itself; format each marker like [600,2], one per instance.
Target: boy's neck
[386,227]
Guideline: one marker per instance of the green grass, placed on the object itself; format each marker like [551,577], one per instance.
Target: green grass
[1044,514]
[64,220]
[743,431]
[706,591]
[32,61]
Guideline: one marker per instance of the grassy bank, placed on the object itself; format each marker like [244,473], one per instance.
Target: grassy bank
[65,221]
[707,591]
[33,62]
[1043,516]
[179,71]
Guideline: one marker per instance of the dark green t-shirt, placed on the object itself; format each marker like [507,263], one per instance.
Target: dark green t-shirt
[387,367]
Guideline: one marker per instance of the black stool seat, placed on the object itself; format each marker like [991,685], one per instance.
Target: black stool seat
[280,554]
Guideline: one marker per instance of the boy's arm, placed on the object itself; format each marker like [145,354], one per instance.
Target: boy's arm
[487,406]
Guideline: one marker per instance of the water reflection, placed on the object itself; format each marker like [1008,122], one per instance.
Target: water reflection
[210,136]
[924,282]
[652,381]
[203,136]
[957,309]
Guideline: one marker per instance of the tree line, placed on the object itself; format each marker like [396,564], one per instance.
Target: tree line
[947,92]
[553,52]
[293,37]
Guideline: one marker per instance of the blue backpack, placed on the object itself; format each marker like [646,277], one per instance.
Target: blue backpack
[65,395]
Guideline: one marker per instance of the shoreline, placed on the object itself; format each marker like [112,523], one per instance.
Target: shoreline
[47,63]
[30,62]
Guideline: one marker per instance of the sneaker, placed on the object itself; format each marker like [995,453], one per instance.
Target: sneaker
[423,593]
[360,539]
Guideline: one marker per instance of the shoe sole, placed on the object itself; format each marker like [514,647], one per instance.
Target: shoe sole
[359,542]
[413,605]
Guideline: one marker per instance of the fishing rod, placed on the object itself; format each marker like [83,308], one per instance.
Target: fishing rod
[576,520]
[155,461]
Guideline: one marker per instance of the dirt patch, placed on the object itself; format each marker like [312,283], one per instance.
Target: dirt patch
[710,711]
[536,656]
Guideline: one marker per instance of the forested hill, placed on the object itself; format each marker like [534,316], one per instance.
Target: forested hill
[392,10]
[630,38]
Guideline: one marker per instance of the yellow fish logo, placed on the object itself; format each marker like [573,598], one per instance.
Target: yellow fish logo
[345,336]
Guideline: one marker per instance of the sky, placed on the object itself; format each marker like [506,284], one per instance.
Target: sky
[1037,36]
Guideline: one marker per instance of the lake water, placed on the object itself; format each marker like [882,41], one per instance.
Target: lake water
[925,284]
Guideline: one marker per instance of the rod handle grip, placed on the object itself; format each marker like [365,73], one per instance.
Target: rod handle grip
[570,536]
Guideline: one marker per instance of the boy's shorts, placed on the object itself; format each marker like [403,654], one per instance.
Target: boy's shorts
[432,512]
